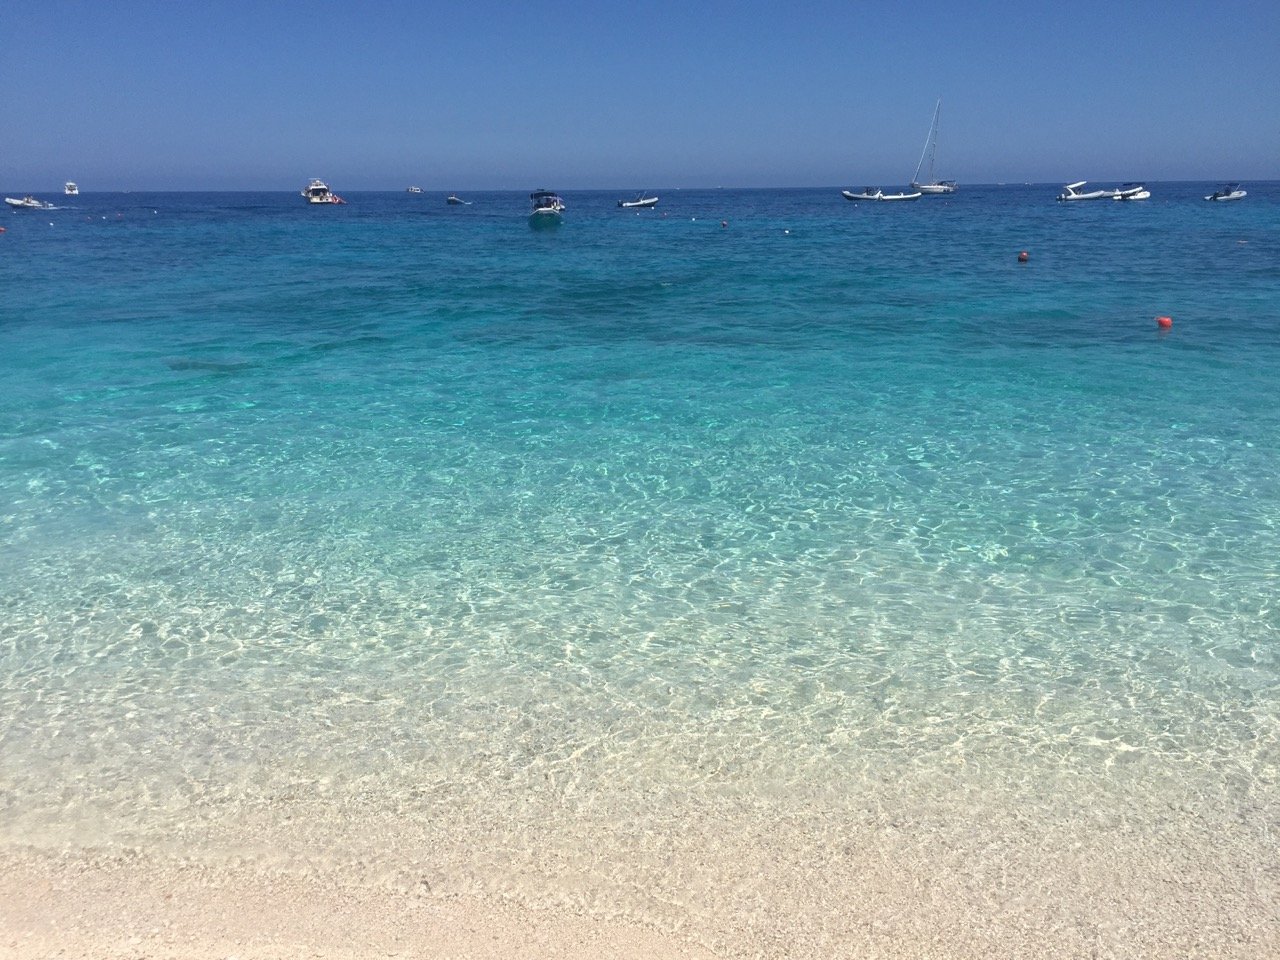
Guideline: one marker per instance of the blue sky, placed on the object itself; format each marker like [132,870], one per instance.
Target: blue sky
[225,95]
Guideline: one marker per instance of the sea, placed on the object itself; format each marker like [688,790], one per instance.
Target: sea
[664,564]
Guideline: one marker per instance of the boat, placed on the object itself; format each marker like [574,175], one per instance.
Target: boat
[317,191]
[938,186]
[454,200]
[29,203]
[412,189]
[1230,191]
[547,208]
[1072,192]
[931,185]
[1131,191]
[70,189]
[640,201]
[877,195]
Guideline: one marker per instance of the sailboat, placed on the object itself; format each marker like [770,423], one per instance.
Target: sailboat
[930,149]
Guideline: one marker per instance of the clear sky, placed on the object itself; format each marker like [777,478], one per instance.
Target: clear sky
[475,94]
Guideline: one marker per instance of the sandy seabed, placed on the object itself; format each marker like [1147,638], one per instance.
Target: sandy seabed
[130,907]
[902,883]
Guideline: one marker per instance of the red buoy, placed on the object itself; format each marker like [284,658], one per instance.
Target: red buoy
[1023,257]
[1164,323]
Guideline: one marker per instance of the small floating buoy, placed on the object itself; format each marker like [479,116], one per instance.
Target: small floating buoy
[1164,323]
[1023,257]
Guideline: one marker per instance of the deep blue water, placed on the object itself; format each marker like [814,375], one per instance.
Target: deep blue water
[395,495]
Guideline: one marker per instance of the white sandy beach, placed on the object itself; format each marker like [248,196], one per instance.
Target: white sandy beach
[130,907]
[907,883]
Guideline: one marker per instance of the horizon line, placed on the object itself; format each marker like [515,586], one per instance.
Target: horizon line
[839,186]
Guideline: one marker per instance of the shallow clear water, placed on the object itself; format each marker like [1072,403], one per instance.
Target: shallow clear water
[411,510]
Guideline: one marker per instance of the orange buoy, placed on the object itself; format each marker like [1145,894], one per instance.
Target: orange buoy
[1164,323]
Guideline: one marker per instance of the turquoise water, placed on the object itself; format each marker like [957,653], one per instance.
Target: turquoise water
[399,514]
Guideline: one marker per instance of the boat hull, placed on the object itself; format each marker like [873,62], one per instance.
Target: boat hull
[880,196]
[1072,194]
[545,219]
[632,204]
[1071,191]
[29,204]
[933,188]
[1233,195]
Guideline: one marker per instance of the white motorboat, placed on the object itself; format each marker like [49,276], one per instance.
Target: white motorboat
[70,189]
[317,191]
[931,186]
[1230,191]
[412,189]
[1131,191]
[29,203]
[1072,192]
[548,208]
[877,195]
[640,201]
[454,200]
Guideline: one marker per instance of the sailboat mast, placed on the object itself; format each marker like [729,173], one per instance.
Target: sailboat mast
[930,141]
[933,149]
